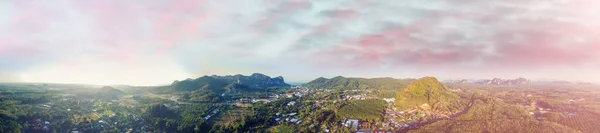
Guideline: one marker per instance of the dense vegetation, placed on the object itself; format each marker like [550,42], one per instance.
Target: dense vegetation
[357,83]
[385,87]
[217,84]
[371,109]
[8,123]
[213,88]
[584,121]
[496,126]
[427,93]
[489,115]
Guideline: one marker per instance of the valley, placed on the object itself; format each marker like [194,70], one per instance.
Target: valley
[259,103]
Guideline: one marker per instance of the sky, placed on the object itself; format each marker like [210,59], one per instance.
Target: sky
[151,42]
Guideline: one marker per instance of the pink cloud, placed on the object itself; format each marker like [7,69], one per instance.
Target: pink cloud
[121,24]
[529,43]
[279,12]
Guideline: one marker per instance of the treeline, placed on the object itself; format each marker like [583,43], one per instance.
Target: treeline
[27,98]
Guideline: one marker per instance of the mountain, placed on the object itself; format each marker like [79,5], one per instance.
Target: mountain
[255,80]
[340,82]
[429,94]
[219,84]
[499,81]
[109,93]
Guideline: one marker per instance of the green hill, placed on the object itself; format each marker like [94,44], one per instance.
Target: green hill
[340,82]
[206,82]
[218,84]
[429,93]
[109,93]
[384,87]
[211,88]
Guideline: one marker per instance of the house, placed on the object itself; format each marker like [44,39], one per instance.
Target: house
[294,120]
[292,103]
[381,131]
[389,100]
[245,100]
[351,123]
[364,131]
[364,124]
[385,124]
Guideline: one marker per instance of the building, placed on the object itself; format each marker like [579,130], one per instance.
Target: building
[292,103]
[389,100]
[364,131]
[351,123]
[294,120]
[207,117]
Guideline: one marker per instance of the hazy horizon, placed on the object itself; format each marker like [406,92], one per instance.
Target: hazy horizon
[156,42]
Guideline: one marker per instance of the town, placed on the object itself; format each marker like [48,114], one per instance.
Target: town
[300,108]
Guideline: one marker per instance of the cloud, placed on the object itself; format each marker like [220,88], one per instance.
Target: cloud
[489,33]
[300,38]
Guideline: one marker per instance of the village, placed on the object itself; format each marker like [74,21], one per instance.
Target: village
[294,107]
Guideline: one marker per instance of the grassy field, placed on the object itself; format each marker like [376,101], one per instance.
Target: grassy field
[229,115]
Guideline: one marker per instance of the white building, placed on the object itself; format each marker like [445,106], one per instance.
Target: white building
[292,103]
[389,100]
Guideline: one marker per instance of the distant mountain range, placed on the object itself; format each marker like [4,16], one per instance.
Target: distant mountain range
[494,81]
